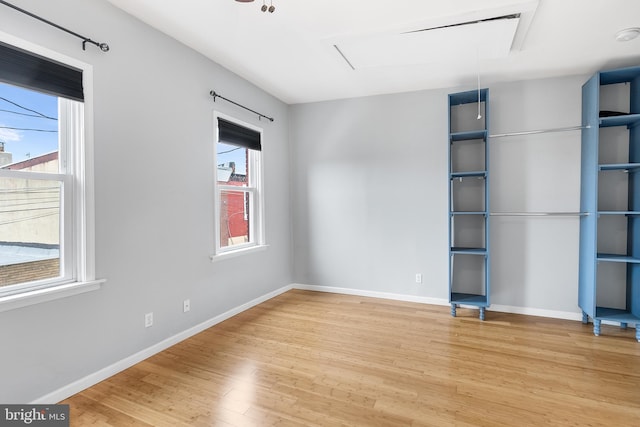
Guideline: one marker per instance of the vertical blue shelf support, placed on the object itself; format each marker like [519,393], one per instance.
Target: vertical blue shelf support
[469,258]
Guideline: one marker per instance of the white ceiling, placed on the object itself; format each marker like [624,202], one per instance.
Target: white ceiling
[290,53]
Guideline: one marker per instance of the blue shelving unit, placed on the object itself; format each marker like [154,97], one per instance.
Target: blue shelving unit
[469,282]
[595,287]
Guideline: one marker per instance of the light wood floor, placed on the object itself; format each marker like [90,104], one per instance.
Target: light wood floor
[318,359]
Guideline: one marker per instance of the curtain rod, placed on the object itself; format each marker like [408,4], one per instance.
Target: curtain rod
[539,214]
[531,132]
[217,95]
[103,46]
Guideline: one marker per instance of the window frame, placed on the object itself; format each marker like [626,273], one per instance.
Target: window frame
[77,204]
[254,190]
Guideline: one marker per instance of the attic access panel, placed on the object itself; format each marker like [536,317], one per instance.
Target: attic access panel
[486,39]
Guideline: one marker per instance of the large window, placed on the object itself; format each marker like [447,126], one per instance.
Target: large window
[44,182]
[239,219]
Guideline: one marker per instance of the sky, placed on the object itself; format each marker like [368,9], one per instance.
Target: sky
[21,143]
[227,153]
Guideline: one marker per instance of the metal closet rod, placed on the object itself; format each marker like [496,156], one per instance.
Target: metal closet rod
[103,46]
[538,213]
[532,132]
[217,95]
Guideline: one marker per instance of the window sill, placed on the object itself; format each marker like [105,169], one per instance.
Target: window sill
[38,296]
[239,252]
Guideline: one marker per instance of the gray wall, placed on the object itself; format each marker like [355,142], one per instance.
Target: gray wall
[154,205]
[370,193]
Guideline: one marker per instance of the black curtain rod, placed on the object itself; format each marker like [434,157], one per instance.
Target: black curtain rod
[103,46]
[216,95]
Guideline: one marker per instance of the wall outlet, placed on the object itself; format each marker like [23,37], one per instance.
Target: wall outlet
[418,277]
[148,320]
[186,305]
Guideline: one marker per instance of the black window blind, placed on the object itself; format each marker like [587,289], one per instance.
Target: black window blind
[231,133]
[31,71]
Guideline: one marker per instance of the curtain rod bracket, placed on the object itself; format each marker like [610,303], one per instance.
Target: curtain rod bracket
[103,46]
[260,116]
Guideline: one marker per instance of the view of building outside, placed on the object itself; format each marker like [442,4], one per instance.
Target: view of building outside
[29,208]
[234,205]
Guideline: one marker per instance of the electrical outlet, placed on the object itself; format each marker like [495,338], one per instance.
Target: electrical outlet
[418,277]
[186,305]
[148,320]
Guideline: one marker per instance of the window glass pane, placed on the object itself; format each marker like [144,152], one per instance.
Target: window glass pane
[234,218]
[28,129]
[29,230]
[233,162]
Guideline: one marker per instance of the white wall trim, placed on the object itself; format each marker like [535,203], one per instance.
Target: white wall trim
[37,296]
[540,312]
[529,311]
[372,294]
[222,256]
[101,375]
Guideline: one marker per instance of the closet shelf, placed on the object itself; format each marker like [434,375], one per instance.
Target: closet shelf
[617,258]
[629,120]
[468,212]
[631,167]
[599,279]
[469,251]
[616,315]
[468,135]
[480,174]
[627,213]
[469,299]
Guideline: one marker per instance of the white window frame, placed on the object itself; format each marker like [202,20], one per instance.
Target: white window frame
[77,230]
[254,189]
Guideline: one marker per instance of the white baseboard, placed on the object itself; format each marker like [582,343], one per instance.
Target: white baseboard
[372,294]
[540,312]
[101,375]
[530,311]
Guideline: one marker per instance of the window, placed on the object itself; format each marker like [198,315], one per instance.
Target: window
[239,218]
[45,179]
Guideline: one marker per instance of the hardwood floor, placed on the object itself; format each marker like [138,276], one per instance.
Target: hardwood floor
[318,359]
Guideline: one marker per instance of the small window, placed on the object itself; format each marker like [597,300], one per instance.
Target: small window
[239,222]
